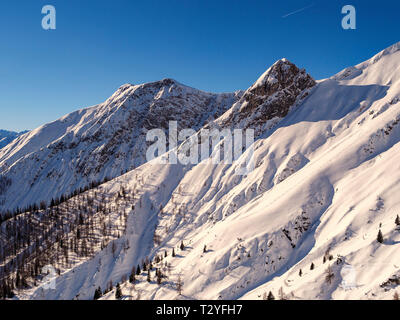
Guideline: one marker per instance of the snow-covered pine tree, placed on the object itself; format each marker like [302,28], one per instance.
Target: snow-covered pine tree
[179,285]
[329,275]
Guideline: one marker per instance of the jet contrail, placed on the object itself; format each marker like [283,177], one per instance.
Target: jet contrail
[297,11]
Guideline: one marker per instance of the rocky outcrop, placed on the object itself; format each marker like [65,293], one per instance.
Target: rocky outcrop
[270,97]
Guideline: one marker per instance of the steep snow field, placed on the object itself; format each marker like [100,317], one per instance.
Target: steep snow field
[326,180]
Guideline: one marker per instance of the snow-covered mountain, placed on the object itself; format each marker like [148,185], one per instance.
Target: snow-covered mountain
[302,225]
[7,136]
[100,142]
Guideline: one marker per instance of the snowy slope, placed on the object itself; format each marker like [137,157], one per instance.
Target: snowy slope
[101,141]
[326,180]
[7,136]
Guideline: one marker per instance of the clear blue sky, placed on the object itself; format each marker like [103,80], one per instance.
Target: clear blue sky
[213,45]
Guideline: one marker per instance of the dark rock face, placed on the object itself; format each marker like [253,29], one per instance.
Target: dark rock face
[286,82]
[271,96]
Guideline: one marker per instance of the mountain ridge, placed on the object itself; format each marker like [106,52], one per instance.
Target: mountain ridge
[158,103]
[118,126]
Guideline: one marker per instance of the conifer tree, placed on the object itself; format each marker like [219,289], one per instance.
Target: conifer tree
[270,296]
[281,294]
[312,266]
[132,277]
[97,294]
[380,237]
[179,285]
[159,276]
[329,275]
[118,292]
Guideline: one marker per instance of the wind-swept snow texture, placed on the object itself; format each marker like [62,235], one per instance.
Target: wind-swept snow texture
[326,180]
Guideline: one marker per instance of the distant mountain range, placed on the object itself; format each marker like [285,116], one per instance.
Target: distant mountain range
[7,136]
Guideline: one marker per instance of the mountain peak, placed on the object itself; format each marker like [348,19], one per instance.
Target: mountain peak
[389,50]
[166,82]
[279,76]
[282,75]
[270,98]
[169,81]
[392,57]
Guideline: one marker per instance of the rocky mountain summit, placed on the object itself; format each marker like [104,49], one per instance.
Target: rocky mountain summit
[270,98]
